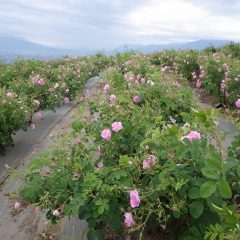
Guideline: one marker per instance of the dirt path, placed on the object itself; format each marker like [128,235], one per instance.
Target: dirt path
[24,223]
[224,126]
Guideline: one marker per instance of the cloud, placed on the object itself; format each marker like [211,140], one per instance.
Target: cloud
[182,19]
[107,24]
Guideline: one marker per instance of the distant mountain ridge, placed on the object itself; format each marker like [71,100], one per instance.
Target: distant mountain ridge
[13,47]
[198,45]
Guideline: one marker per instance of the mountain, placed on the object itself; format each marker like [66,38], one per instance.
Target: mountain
[197,45]
[14,47]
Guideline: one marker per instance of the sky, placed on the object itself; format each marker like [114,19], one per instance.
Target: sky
[106,24]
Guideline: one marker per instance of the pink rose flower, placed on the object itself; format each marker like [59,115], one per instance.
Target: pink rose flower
[106,88]
[100,164]
[149,162]
[137,99]
[112,97]
[51,90]
[17,205]
[165,69]
[38,116]
[117,126]
[56,213]
[36,102]
[128,221]
[66,100]
[202,74]
[198,84]
[106,134]
[9,94]
[192,135]
[127,63]
[238,103]
[41,82]
[134,199]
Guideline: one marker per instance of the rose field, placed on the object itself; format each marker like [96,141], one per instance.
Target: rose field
[144,159]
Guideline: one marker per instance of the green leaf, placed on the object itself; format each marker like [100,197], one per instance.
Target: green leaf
[207,189]
[210,173]
[214,162]
[124,161]
[224,188]
[194,193]
[100,234]
[196,209]
[91,235]
[101,210]
[176,214]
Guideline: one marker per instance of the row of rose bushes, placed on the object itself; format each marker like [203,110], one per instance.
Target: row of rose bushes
[215,70]
[36,85]
[147,164]
[28,86]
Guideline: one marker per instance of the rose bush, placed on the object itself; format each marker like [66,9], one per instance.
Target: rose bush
[214,70]
[139,168]
[42,85]
[14,115]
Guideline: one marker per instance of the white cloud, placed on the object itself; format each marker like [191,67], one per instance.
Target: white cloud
[182,19]
[107,24]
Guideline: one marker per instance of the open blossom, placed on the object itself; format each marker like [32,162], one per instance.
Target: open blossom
[238,103]
[225,67]
[117,126]
[36,102]
[112,97]
[106,134]
[192,135]
[17,205]
[41,82]
[51,90]
[9,94]
[66,100]
[56,213]
[33,126]
[38,116]
[202,73]
[165,69]
[137,99]
[149,162]
[100,164]
[127,62]
[194,76]
[106,88]
[198,84]
[223,85]
[128,221]
[134,198]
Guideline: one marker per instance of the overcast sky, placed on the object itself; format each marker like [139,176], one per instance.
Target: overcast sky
[110,23]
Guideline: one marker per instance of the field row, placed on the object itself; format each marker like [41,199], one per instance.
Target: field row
[144,160]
